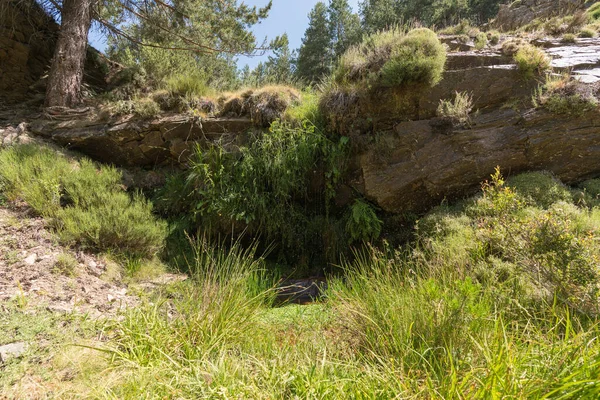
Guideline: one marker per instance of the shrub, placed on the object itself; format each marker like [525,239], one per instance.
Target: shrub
[146,108]
[531,61]
[493,37]
[457,111]
[85,203]
[263,105]
[539,189]
[393,58]
[65,264]
[568,38]
[306,110]
[510,47]
[564,95]
[587,32]
[419,59]
[594,11]
[363,223]
[188,84]
[481,40]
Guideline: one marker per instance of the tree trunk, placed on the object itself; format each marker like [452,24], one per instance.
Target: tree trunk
[66,73]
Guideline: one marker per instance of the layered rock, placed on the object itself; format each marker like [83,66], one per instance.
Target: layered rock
[521,12]
[416,167]
[169,140]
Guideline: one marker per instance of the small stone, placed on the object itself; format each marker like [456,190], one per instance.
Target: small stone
[60,309]
[110,298]
[31,259]
[12,350]
[92,264]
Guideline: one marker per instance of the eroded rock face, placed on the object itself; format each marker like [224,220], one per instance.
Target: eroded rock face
[521,12]
[416,167]
[169,140]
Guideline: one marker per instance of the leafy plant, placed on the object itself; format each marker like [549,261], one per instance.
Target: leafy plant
[363,223]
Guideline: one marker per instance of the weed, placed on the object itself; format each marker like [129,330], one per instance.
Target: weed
[564,95]
[457,111]
[65,264]
[587,32]
[569,38]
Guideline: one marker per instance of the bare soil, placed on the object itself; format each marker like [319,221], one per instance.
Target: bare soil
[30,270]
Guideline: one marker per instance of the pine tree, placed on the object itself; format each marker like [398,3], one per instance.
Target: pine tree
[279,65]
[197,26]
[344,26]
[315,57]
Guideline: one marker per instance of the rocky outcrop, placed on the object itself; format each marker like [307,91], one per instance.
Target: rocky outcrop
[521,12]
[169,140]
[414,167]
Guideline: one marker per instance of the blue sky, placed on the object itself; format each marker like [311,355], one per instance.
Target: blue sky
[286,16]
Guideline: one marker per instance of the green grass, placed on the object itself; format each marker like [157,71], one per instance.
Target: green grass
[495,298]
[85,203]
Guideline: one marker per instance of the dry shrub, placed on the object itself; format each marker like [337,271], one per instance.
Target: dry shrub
[263,105]
[510,47]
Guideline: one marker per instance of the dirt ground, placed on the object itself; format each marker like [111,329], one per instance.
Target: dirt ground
[35,269]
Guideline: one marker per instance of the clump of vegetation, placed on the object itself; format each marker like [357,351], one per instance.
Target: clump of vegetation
[363,223]
[510,47]
[456,111]
[531,61]
[569,38]
[65,264]
[188,85]
[306,110]
[464,27]
[539,189]
[564,95]
[394,59]
[587,32]
[143,107]
[263,105]
[481,40]
[493,37]
[594,11]
[265,189]
[84,202]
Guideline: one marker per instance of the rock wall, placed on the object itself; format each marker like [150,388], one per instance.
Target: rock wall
[27,37]
[521,12]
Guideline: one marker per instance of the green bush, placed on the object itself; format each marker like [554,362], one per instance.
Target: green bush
[586,32]
[493,37]
[568,38]
[363,223]
[393,58]
[188,84]
[84,202]
[531,61]
[564,95]
[539,189]
[594,11]
[419,59]
[481,40]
